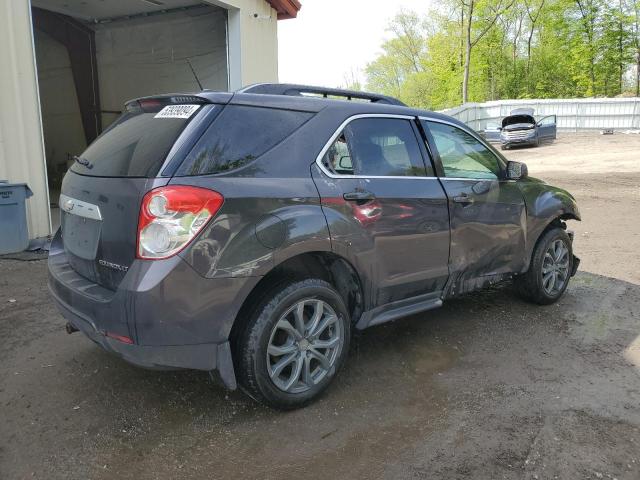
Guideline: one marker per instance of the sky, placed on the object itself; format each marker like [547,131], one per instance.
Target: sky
[332,38]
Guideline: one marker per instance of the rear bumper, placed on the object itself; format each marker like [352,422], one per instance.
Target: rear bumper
[207,357]
[175,317]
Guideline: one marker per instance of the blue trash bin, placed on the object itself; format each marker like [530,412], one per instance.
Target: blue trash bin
[14,234]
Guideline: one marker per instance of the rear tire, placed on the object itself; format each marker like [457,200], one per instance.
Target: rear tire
[294,344]
[550,269]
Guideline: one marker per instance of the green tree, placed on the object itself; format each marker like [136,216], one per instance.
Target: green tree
[632,7]
[475,50]
[480,17]
[401,57]
[351,81]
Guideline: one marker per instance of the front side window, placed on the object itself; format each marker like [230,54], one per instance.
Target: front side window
[461,154]
[376,147]
[547,121]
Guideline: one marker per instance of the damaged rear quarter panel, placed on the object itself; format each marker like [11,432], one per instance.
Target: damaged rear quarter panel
[260,225]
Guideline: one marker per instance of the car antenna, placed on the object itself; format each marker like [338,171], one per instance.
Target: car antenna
[195,75]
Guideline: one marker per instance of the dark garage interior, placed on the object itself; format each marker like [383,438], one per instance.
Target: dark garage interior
[92,56]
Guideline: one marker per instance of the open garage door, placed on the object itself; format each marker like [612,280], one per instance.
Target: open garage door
[92,56]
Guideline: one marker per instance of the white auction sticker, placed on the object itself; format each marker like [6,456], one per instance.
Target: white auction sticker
[177,111]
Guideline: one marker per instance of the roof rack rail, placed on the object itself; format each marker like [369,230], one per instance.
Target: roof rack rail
[301,90]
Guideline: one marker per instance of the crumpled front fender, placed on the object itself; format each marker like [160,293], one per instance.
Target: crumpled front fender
[545,204]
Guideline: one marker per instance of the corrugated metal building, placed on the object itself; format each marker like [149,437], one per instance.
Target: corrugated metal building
[68,66]
[573,114]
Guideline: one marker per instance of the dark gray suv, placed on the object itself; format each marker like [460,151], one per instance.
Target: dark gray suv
[249,233]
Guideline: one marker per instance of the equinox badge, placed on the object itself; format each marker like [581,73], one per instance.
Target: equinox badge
[114,266]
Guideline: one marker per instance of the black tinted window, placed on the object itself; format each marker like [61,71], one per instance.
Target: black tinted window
[136,145]
[376,147]
[238,136]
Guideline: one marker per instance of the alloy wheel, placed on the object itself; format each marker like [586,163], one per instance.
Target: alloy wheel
[304,345]
[555,267]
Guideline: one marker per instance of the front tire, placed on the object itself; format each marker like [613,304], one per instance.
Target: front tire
[550,269]
[294,344]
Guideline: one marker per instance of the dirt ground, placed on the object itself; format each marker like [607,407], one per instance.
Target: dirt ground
[487,387]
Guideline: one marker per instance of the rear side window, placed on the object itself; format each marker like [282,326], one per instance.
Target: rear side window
[376,147]
[238,136]
[136,145]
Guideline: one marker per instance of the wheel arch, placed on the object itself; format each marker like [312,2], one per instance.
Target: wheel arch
[327,266]
[530,285]
[557,221]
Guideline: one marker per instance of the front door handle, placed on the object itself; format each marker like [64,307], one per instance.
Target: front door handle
[464,199]
[359,196]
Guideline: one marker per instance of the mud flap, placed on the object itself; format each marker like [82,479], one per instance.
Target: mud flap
[576,261]
[575,264]
[224,366]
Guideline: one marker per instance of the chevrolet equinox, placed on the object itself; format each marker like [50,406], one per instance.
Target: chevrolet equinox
[250,233]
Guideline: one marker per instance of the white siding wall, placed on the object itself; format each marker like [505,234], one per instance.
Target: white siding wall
[21,148]
[253,42]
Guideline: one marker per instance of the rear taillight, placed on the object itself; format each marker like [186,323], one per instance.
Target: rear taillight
[170,217]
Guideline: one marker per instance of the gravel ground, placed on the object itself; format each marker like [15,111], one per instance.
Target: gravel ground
[486,387]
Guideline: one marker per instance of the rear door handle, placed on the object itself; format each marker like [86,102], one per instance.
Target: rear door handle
[464,199]
[359,196]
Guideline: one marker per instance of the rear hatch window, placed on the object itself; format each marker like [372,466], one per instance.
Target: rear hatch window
[137,144]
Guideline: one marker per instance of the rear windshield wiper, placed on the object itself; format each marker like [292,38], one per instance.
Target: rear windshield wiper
[83,161]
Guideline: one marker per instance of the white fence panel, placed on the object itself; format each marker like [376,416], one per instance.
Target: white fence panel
[572,114]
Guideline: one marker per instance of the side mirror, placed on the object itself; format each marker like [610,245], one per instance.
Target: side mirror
[516,170]
[345,163]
